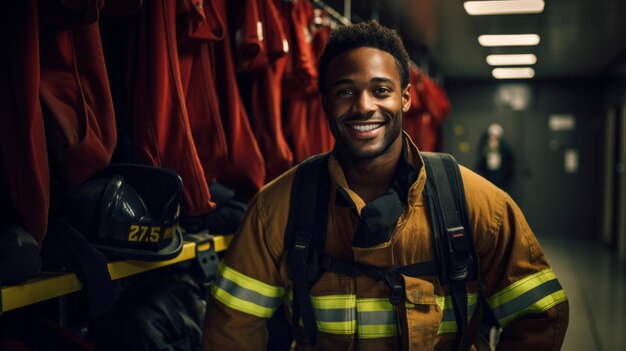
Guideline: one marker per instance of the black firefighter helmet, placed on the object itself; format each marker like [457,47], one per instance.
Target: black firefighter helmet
[127,211]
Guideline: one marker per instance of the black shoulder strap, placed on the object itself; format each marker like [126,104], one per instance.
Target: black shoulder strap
[454,248]
[306,231]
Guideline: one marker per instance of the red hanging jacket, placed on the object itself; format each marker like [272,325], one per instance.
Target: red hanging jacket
[261,86]
[198,26]
[24,171]
[75,92]
[158,119]
[244,169]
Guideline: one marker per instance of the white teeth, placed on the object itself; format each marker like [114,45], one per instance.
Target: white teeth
[365,127]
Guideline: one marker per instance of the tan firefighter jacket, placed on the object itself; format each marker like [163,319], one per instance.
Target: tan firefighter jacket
[355,313]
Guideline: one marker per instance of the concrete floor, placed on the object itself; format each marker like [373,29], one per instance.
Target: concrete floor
[595,283]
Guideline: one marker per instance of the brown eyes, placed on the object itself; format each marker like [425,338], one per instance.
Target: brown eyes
[378,91]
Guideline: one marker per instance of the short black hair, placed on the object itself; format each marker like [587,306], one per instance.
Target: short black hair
[366,34]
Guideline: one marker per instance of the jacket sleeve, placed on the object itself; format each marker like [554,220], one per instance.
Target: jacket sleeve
[522,289]
[247,290]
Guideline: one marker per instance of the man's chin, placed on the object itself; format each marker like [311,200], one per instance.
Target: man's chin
[368,153]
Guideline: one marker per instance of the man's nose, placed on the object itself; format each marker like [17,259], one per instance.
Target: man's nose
[364,104]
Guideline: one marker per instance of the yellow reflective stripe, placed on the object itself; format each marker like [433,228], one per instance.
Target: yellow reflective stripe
[250,283]
[245,294]
[335,314]
[374,305]
[334,301]
[535,293]
[377,331]
[521,286]
[447,327]
[448,321]
[445,302]
[241,305]
[540,306]
[341,328]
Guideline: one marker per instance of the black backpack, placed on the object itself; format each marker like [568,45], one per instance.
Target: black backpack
[455,262]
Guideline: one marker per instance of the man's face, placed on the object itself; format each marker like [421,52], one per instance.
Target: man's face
[365,101]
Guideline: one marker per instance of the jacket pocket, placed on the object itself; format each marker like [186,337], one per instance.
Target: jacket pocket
[420,315]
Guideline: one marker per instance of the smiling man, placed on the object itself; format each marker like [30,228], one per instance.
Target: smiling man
[374,216]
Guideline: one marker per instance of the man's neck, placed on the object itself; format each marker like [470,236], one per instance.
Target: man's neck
[371,178]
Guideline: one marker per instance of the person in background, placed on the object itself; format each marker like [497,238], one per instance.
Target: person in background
[377,216]
[496,161]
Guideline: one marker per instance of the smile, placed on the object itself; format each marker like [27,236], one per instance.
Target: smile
[365,127]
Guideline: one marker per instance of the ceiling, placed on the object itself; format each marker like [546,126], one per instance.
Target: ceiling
[580,39]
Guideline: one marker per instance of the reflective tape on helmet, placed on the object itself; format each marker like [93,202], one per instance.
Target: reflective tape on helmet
[534,294]
[448,322]
[246,294]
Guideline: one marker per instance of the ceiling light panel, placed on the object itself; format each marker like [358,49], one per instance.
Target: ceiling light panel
[513,73]
[509,40]
[506,60]
[478,8]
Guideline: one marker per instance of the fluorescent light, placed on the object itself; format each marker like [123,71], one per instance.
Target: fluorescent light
[510,73]
[509,40]
[504,60]
[477,8]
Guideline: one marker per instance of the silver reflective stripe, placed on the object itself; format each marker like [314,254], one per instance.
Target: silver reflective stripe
[379,317]
[334,315]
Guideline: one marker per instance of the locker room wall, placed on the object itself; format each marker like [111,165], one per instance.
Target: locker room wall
[614,196]
[553,200]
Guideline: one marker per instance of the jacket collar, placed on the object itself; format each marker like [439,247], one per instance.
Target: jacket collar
[409,179]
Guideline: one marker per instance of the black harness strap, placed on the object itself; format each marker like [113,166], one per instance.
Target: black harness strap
[305,225]
[454,251]
[455,262]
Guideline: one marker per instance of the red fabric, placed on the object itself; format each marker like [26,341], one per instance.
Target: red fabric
[412,119]
[320,138]
[436,108]
[261,90]
[250,37]
[158,119]
[244,170]
[199,86]
[75,94]
[435,99]
[25,175]
[301,70]
[300,78]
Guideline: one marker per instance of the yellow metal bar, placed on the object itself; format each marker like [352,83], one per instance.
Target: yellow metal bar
[222,242]
[43,287]
[126,268]
[51,285]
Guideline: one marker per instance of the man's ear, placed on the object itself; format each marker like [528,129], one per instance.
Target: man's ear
[406,98]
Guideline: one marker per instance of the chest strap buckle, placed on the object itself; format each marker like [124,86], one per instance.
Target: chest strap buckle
[396,291]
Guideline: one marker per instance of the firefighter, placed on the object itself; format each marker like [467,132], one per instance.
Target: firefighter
[378,217]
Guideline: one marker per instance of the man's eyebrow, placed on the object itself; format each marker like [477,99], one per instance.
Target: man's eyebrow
[373,80]
[342,81]
[382,80]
